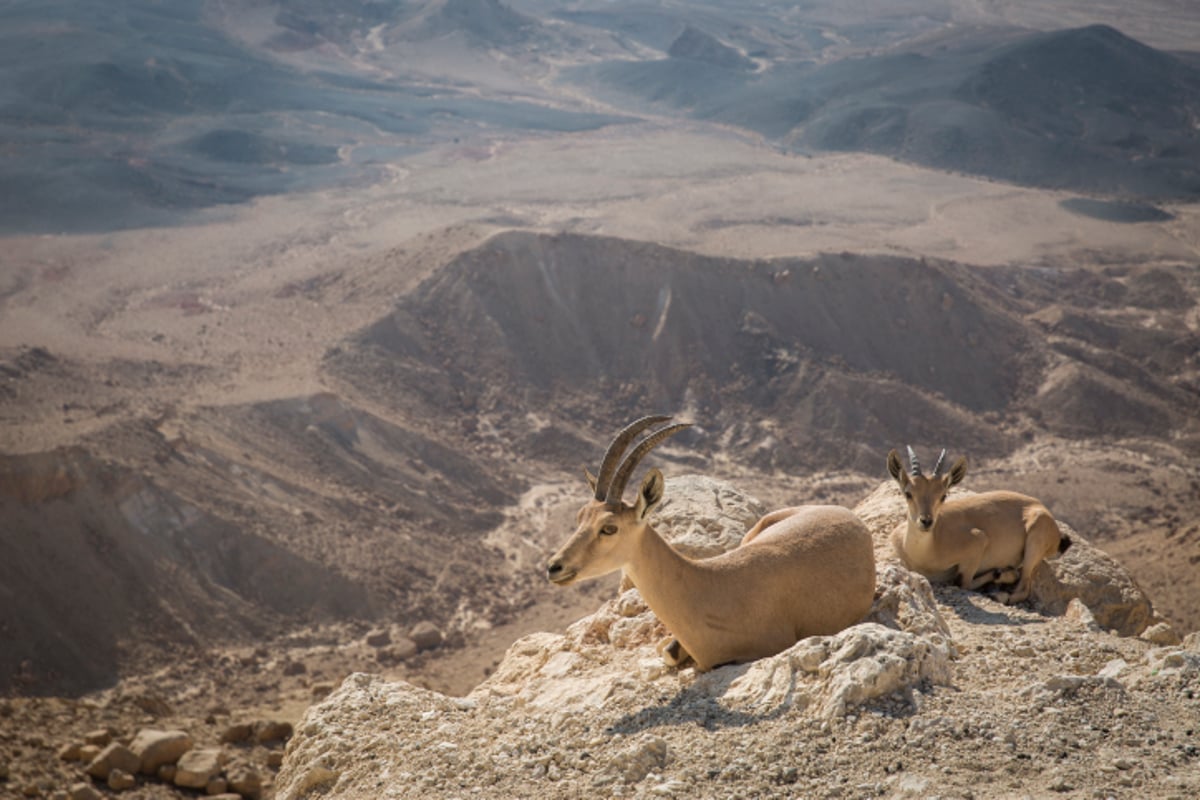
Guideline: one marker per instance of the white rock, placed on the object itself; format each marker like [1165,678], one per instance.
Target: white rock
[155,748]
[197,767]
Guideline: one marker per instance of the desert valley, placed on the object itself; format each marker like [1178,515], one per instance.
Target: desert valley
[311,314]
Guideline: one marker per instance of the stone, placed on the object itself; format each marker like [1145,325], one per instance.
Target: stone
[272,731]
[426,636]
[237,732]
[166,773]
[155,748]
[245,780]
[1088,573]
[84,791]
[196,768]
[379,638]
[115,756]
[321,689]
[89,751]
[635,762]
[1161,634]
[70,752]
[101,737]
[216,786]
[119,780]
[703,517]
[4,771]
[402,649]
[275,759]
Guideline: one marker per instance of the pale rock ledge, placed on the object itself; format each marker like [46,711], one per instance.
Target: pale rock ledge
[595,711]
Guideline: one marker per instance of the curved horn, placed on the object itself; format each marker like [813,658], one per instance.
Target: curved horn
[937,468]
[912,457]
[636,455]
[615,450]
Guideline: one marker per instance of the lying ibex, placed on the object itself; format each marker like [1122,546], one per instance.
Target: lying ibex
[993,537]
[798,572]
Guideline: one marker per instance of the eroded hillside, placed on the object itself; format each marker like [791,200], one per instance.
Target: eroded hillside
[437,466]
[836,355]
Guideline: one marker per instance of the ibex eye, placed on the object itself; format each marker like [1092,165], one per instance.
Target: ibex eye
[608,530]
[908,494]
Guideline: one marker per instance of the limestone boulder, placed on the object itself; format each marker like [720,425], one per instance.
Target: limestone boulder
[84,791]
[401,649]
[237,732]
[245,780]
[119,780]
[268,730]
[426,636]
[702,517]
[115,756]
[379,638]
[197,767]
[1088,573]
[155,748]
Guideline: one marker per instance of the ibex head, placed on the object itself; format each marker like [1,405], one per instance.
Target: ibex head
[924,495]
[608,528]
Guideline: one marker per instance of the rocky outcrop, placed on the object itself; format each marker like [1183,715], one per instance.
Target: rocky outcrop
[702,517]
[155,748]
[197,768]
[933,686]
[115,756]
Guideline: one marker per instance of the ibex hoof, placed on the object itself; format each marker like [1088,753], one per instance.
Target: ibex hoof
[672,652]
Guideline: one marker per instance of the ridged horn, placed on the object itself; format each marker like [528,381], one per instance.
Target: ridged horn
[912,459]
[937,468]
[634,458]
[620,444]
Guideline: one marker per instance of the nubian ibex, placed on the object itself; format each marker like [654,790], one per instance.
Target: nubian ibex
[992,537]
[798,571]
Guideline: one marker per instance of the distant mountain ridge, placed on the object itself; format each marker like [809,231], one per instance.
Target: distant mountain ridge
[1087,109]
[555,321]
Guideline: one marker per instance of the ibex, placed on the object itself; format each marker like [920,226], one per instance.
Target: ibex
[797,572]
[993,537]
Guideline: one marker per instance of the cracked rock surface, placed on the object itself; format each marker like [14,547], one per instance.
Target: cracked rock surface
[938,692]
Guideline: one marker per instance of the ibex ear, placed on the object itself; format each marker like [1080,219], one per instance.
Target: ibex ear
[896,469]
[591,479]
[957,472]
[650,494]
